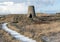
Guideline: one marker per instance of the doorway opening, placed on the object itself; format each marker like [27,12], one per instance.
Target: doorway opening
[30,16]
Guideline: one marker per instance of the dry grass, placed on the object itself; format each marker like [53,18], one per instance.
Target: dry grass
[35,31]
[5,37]
[31,28]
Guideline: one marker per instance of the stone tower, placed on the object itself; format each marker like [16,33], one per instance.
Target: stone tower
[31,12]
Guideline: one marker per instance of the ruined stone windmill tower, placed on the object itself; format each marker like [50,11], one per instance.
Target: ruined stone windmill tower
[31,12]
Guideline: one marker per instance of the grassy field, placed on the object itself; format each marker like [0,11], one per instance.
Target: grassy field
[5,37]
[36,31]
[33,28]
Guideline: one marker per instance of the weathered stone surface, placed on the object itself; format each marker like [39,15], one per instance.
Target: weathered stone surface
[31,12]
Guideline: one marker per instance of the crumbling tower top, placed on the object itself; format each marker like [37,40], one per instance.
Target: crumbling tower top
[31,12]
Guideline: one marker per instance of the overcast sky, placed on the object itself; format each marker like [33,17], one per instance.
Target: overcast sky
[21,6]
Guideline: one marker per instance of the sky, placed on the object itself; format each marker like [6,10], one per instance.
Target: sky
[21,6]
